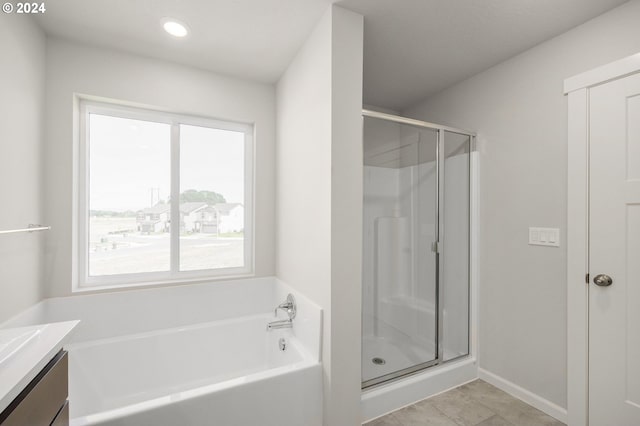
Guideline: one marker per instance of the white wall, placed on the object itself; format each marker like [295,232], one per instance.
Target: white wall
[520,114]
[303,182]
[346,216]
[319,186]
[73,68]
[22,76]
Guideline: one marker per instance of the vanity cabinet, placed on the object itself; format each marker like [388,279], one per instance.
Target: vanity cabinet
[44,401]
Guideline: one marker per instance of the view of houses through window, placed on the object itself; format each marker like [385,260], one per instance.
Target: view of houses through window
[129,185]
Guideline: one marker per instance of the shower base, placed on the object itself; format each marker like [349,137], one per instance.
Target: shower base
[391,350]
[396,357]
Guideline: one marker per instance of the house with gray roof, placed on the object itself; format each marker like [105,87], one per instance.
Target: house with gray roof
[154,219]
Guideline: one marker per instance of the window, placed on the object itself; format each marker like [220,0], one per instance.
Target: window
[163,197]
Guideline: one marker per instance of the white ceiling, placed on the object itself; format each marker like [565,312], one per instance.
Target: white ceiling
[252,39]
[413,48]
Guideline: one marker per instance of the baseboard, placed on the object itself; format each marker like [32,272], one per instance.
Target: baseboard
[529,397]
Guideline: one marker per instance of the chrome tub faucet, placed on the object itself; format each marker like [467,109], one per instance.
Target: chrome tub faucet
[289,306]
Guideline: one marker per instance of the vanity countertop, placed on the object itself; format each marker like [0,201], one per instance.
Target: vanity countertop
[25,351]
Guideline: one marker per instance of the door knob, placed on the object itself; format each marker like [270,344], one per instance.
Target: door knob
[602,280]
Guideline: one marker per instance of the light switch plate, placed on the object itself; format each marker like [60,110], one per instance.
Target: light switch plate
[549,237]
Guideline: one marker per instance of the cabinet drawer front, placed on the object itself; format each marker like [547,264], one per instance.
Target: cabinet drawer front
[39,403]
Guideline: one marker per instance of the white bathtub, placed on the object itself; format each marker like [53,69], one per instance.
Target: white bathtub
[174,363]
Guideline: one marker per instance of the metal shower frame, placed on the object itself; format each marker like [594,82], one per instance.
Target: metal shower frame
[441,129]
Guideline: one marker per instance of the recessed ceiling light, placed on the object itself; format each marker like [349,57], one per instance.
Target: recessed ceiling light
[174,28]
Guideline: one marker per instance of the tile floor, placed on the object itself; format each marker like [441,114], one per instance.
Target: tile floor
[474,404]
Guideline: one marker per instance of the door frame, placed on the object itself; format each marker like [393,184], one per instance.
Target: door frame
[577,90]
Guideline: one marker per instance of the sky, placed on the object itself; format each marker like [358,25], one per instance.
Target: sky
[129,162]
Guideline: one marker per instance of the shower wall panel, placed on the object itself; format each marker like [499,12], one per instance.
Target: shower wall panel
[380,200]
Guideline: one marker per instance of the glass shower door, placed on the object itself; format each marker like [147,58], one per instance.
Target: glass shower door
[400,265]
[455,259]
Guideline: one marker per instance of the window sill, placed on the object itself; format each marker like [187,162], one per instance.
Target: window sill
[104,288]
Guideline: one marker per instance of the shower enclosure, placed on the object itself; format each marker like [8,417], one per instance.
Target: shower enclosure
[416,246]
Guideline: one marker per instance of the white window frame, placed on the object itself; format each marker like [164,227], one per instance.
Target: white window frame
[174,275]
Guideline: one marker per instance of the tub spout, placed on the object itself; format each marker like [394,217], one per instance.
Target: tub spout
[280,324]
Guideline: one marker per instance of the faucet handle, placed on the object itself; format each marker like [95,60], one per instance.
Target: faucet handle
[289,306]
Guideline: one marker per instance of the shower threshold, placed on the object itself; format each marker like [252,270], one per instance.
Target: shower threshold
[398,374]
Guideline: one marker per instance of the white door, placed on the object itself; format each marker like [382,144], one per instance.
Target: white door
[614,251]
